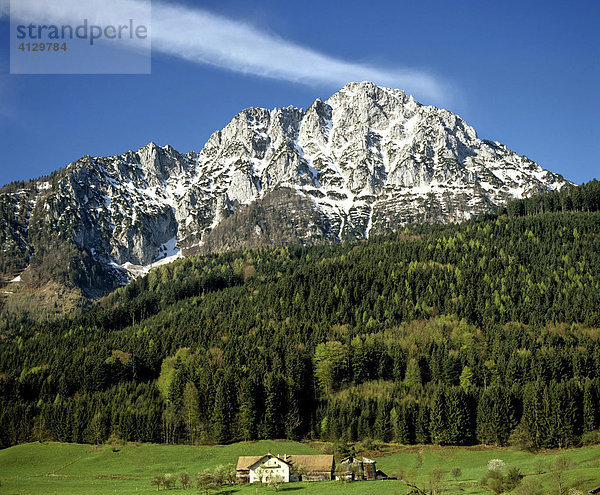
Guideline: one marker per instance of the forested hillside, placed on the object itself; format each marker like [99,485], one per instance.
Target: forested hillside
[481,332]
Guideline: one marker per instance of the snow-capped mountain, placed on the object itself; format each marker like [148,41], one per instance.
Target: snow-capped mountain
[365,161]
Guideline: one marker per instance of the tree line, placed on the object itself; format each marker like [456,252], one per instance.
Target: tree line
[484,332]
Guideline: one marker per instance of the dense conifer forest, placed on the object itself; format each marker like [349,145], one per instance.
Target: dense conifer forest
[483,332]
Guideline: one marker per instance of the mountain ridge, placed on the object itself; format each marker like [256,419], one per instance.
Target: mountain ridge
[367,160]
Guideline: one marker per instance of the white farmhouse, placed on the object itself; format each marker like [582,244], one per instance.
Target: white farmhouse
[251,469]
[269,467]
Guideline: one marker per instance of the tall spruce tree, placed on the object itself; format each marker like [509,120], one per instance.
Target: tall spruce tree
[439,420]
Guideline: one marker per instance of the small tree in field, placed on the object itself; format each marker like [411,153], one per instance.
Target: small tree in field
[169,481]
[496,465]
[561,464]
[205,481]
[456,473]
[185,480]
[497,482]
[224,475]
[539,466]
[260,473]
[158,480]
[436,484]
[275,481]
[512,479]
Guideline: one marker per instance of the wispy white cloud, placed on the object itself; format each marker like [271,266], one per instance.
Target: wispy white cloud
[202,37]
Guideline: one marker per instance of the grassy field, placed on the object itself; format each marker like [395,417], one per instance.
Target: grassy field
[53,468]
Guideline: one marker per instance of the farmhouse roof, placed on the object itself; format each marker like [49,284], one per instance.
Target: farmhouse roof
[249,461]
[244,462]
[312,463]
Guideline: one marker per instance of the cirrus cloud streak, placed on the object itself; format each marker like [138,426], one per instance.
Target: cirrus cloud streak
[202,37]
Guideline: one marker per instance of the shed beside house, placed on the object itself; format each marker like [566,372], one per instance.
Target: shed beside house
[370,469]
[380,475]
[357,468]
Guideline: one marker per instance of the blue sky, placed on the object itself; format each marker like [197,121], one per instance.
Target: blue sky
[525,73]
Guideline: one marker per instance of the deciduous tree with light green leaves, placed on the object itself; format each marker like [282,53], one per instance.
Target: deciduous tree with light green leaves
[412,377]
[331,363]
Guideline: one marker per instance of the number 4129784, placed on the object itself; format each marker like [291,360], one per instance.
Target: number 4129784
[43,47]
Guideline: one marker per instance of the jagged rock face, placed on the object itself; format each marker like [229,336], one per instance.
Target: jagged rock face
[365,161]
[370,158]
[121,209]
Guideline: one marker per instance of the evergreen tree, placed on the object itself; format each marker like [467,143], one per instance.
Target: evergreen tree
[460,428]
[382,428]
[223,411]
[439,421]
[249,412]
[591,410]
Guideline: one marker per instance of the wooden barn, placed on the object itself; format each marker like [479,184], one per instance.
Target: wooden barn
[318,467]
[356,468]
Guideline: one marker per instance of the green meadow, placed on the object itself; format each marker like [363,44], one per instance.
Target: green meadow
[60,468]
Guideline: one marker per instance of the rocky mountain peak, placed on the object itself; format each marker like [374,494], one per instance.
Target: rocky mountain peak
[366,160]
